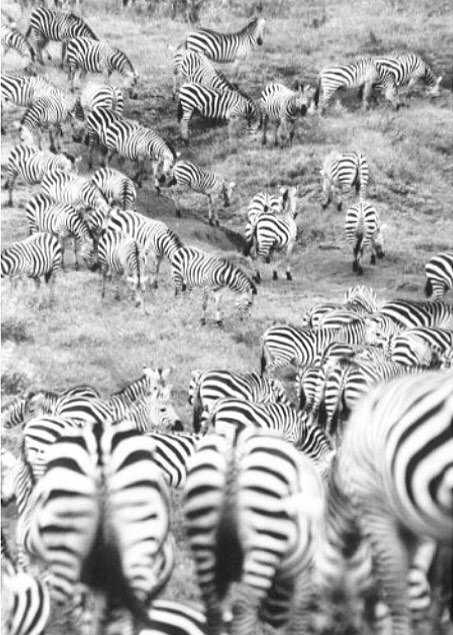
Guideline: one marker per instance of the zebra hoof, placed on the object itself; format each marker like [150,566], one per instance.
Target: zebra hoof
[339,207]
[117,297]
[360,271]
[216,223]
[274,275]
[219,323]
[211,222]
[203,322]
[257,278]
[289,276]
[355,267]
[178,213]
[373,260]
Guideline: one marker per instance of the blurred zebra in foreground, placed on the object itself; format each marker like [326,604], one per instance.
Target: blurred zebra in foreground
[281,106]
[363,227]
[194,268]
[344,171]
[439,275]
[12,39]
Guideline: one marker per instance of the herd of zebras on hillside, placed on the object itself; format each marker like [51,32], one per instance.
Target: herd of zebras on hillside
[290,507]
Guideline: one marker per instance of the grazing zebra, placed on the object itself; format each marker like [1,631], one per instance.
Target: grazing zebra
[121,256]
[362,227]
[229,105]
[47,25]
[393,476]
[189,176]
[251,510]
[95,95]
[230,416]
[227,47]
[35,257]
[344,170]
[101,518]
[364,73]
[116,187]
[408,69]
[281,106]
[74,190]
[12,38]
[49,112]
[439,275]
[63,221]
[195,268]
[207,387]
[272,233]
[172,453]
[90,56]
[31,164]
[25,599]
[13,413]
[410,313]
[154,237]
[195,68]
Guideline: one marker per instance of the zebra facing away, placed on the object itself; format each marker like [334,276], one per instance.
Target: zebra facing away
[230,106]
[13,39]
[63,221]
[392,478]
[343,171]
[89,56]
[439,275]
[251,510]
[95,95]
[362,227]
[117,188]
[195,268]
[31,164]
[121,256]
[189,176]
[227,47]
[281,106]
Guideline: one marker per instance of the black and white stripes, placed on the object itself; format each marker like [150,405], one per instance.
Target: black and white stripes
[439,275]
[344,171]
[362,227]
[35,257]
[281,106]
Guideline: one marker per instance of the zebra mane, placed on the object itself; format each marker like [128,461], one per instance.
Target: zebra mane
[76,19]
[251,25]
[229,267]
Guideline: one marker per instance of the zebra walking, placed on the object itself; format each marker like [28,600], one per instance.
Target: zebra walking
[395,463]
[121,256]
[187,175]
[116,187]
[32,165]
[281,106]
[90,56]
[195,268]
[78,191]
[48,25]
[63,221]
[343,171]
[35,257]
[227,47]
[364,73]
[408,69]
[250,516]
[230,106]
[13,39]
[195,68]
[95,95]
[439,275]
[362,227]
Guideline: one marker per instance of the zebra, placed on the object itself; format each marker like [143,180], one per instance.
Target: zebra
[251,510]
[120,255]
[364,73]
[51,402]
[230,416]
[37,256]
[230,106]
[269,233]
[32,165]
[195,68]
[195,268]
[392,478]
[140,388]
[49,112]
[91,56]
[172,453]
[408,69]
[23,91]
[207,387]
[25,598]
[187,175]
[439,275]
[63,221]
[153,236]
[227,47]
[362,226]
[116,187]
[344,170]
[359,298]
[281,106]
[12,38]
[102,476]
[154,412]
[73,190]
[410,313]
[439,340]
[47,25]
[95,95]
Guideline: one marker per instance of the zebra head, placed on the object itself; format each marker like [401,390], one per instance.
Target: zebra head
[161,410]
[227,191]
[257,28]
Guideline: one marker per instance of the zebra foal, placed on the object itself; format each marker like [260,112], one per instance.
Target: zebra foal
[363,228]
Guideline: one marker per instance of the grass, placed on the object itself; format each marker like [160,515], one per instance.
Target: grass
[84,339]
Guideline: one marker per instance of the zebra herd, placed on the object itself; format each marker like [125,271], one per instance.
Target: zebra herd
[296,497]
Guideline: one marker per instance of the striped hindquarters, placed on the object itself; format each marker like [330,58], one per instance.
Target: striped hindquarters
[36,256]
[116,187]
[439,275]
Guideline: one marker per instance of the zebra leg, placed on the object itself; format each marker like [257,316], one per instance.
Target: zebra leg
[204,305]
[9,185]
[367,90]
[327,191]
[264,122]
[76,253]
[184,126]
[218,313]
[213,218]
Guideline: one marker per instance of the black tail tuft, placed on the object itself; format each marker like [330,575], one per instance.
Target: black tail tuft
[428,288]
[316,95]
[197,410]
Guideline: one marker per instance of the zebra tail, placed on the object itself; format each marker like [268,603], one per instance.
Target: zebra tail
[357,182]
[229,555]
[263,362]
[317,93]
[197,409]
[358,245]
[180,111]
[428,288]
